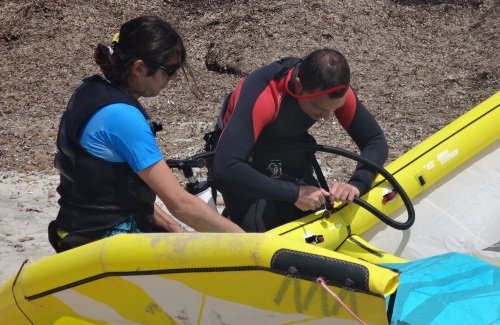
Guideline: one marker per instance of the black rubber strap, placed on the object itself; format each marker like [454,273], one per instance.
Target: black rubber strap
[321,178]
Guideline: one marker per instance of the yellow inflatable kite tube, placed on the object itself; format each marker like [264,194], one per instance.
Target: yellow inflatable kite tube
[135,277]
[432,159]
[416,171]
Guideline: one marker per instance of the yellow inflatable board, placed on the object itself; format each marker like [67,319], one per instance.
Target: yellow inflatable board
[196,278]
[416,171]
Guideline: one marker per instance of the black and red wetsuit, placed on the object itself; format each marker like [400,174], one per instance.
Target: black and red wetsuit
[260,113]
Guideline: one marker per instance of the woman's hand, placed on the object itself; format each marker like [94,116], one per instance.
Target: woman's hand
[165,221]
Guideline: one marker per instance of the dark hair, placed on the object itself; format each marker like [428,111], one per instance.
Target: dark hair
[324,69]
[149,38]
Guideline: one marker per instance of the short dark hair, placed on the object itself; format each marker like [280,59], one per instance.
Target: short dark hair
[149,38]
[324,69]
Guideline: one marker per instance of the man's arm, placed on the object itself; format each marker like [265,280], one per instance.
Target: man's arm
[368,136]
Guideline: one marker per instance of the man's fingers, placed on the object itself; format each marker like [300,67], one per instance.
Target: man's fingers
[322,199]
[342,192]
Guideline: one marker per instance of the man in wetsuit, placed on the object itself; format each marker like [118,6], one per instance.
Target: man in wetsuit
[275,106]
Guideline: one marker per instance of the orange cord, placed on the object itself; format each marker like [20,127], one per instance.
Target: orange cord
[322,282]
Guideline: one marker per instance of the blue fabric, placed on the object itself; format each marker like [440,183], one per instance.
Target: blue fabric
[447,289]
[126,227]
[120,133]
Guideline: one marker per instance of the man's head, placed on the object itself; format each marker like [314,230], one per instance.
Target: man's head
[321,71]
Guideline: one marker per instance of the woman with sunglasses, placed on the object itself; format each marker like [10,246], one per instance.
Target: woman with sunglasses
[110,165]
[265,186]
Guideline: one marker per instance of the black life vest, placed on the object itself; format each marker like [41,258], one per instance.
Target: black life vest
[96,194]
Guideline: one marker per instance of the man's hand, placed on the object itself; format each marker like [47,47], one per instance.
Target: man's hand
[343,192]
[311,198]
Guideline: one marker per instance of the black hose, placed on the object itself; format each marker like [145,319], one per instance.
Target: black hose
[199,161]
[382,171]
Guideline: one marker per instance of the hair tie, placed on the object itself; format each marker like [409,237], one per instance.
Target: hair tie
[115,38]
[114,44]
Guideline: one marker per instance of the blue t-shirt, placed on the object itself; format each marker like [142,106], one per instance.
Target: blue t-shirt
[120,133]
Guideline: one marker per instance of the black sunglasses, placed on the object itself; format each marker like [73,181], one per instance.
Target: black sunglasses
[170,69]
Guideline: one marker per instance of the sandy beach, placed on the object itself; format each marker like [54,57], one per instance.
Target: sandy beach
[28,203]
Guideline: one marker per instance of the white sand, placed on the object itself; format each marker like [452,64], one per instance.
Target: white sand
[28,202]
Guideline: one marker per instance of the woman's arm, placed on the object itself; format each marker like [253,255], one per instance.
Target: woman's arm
[165,221]
[184,206]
